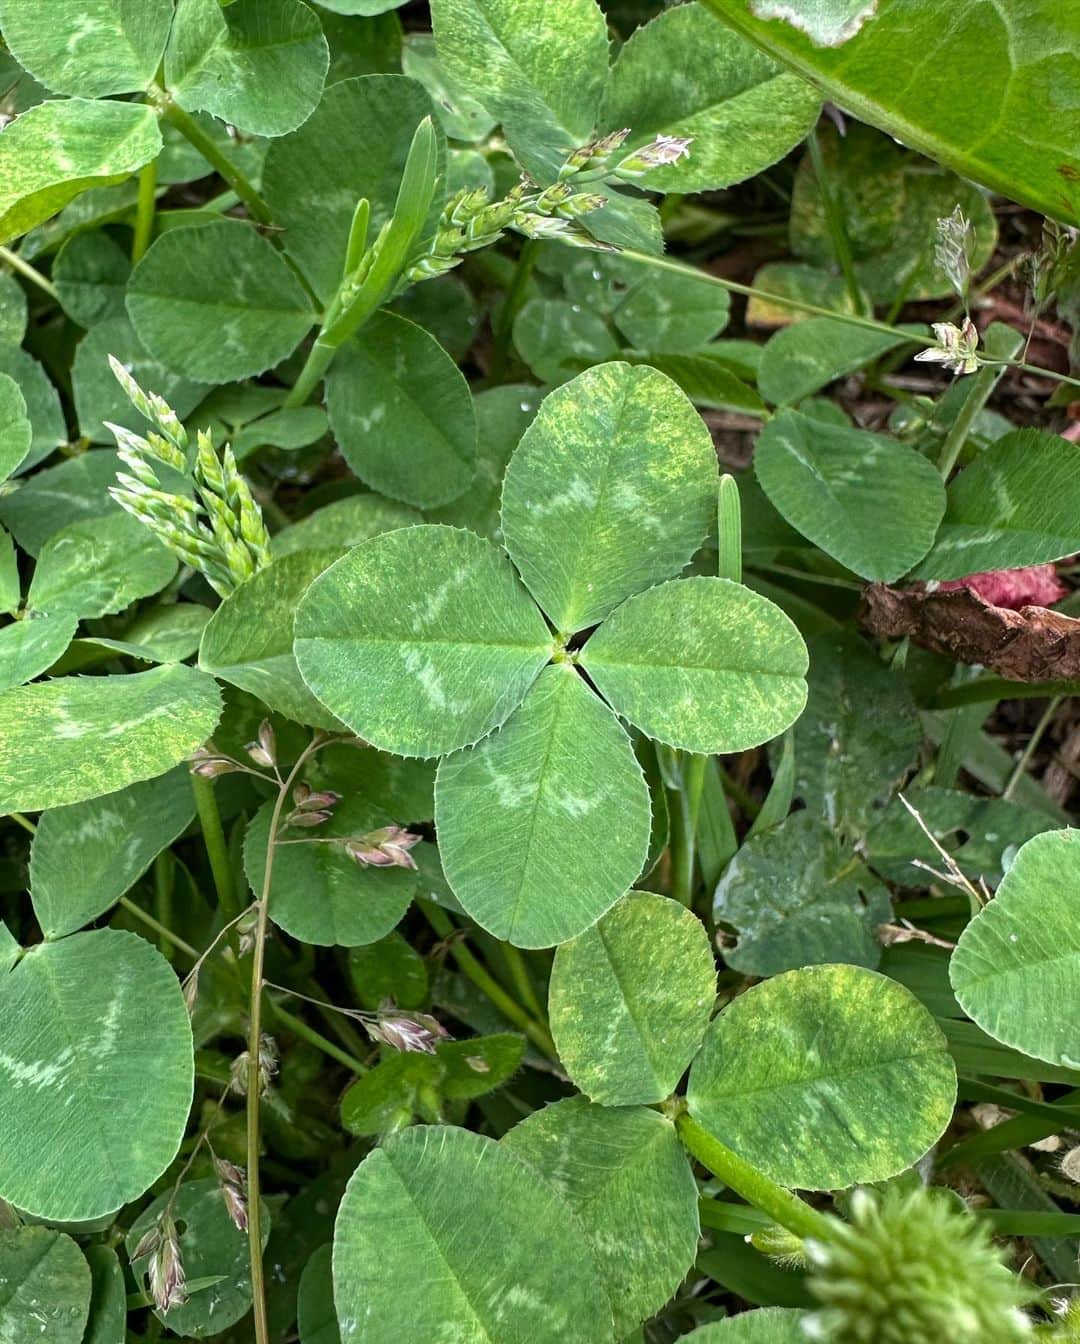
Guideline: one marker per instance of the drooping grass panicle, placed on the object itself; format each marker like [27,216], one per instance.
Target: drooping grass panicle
[471,221]
[218,529]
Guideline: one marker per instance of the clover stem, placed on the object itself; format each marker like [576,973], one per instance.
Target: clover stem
[144,214]
[190,129]
[24,268]
[474,970]
[216,849]
[254,1040]
[835,223]
[511,306]
[687,804]
[754,1186]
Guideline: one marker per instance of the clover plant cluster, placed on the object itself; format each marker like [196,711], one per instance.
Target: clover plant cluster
[538,634]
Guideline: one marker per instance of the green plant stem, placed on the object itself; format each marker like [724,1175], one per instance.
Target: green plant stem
[752,292]
[254,1040]
[511,306]
[756,1188]
[29,272]
[979,389]
[474,970]
[687,806]
[216,849]
[300,1028]
[1032,745]
[193,133]
[164,882]
[144,214]
[24,822]
[320,357]
[835,224]
[160,929]
[519,971]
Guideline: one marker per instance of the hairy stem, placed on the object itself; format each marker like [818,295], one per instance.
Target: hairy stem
[754,1186]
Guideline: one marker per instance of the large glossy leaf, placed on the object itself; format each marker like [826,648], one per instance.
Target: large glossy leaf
[540,74]
[97,1071]
[86,856]
[211,1247]
[15,429]
[626,1177]
[420,669]
[317,892]
[421,1199]
[217,302]
[825,1077]
[402,412]
[353,145]
[640,488]
[630,1000]
[44,1287]
[55,150]
[1017,504]
[249,639]
[795,898]
[703,664]
[517,813]
[99,566]
[1007,134]
[683,74]
[257,64]
[866,500]
[88,47]
[74,738]
[1017,965]
[859,736]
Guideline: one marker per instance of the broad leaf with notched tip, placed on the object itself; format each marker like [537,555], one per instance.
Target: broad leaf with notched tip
[88,47]
[73,738]
[702,664]
[626,1176]
[1016,968]
[630,1000]
[257,64]
[96,1069]
[825,1077]
[684,74]
[544,823]
[56,150]
[637,486]
[420,640]
[528,1279]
